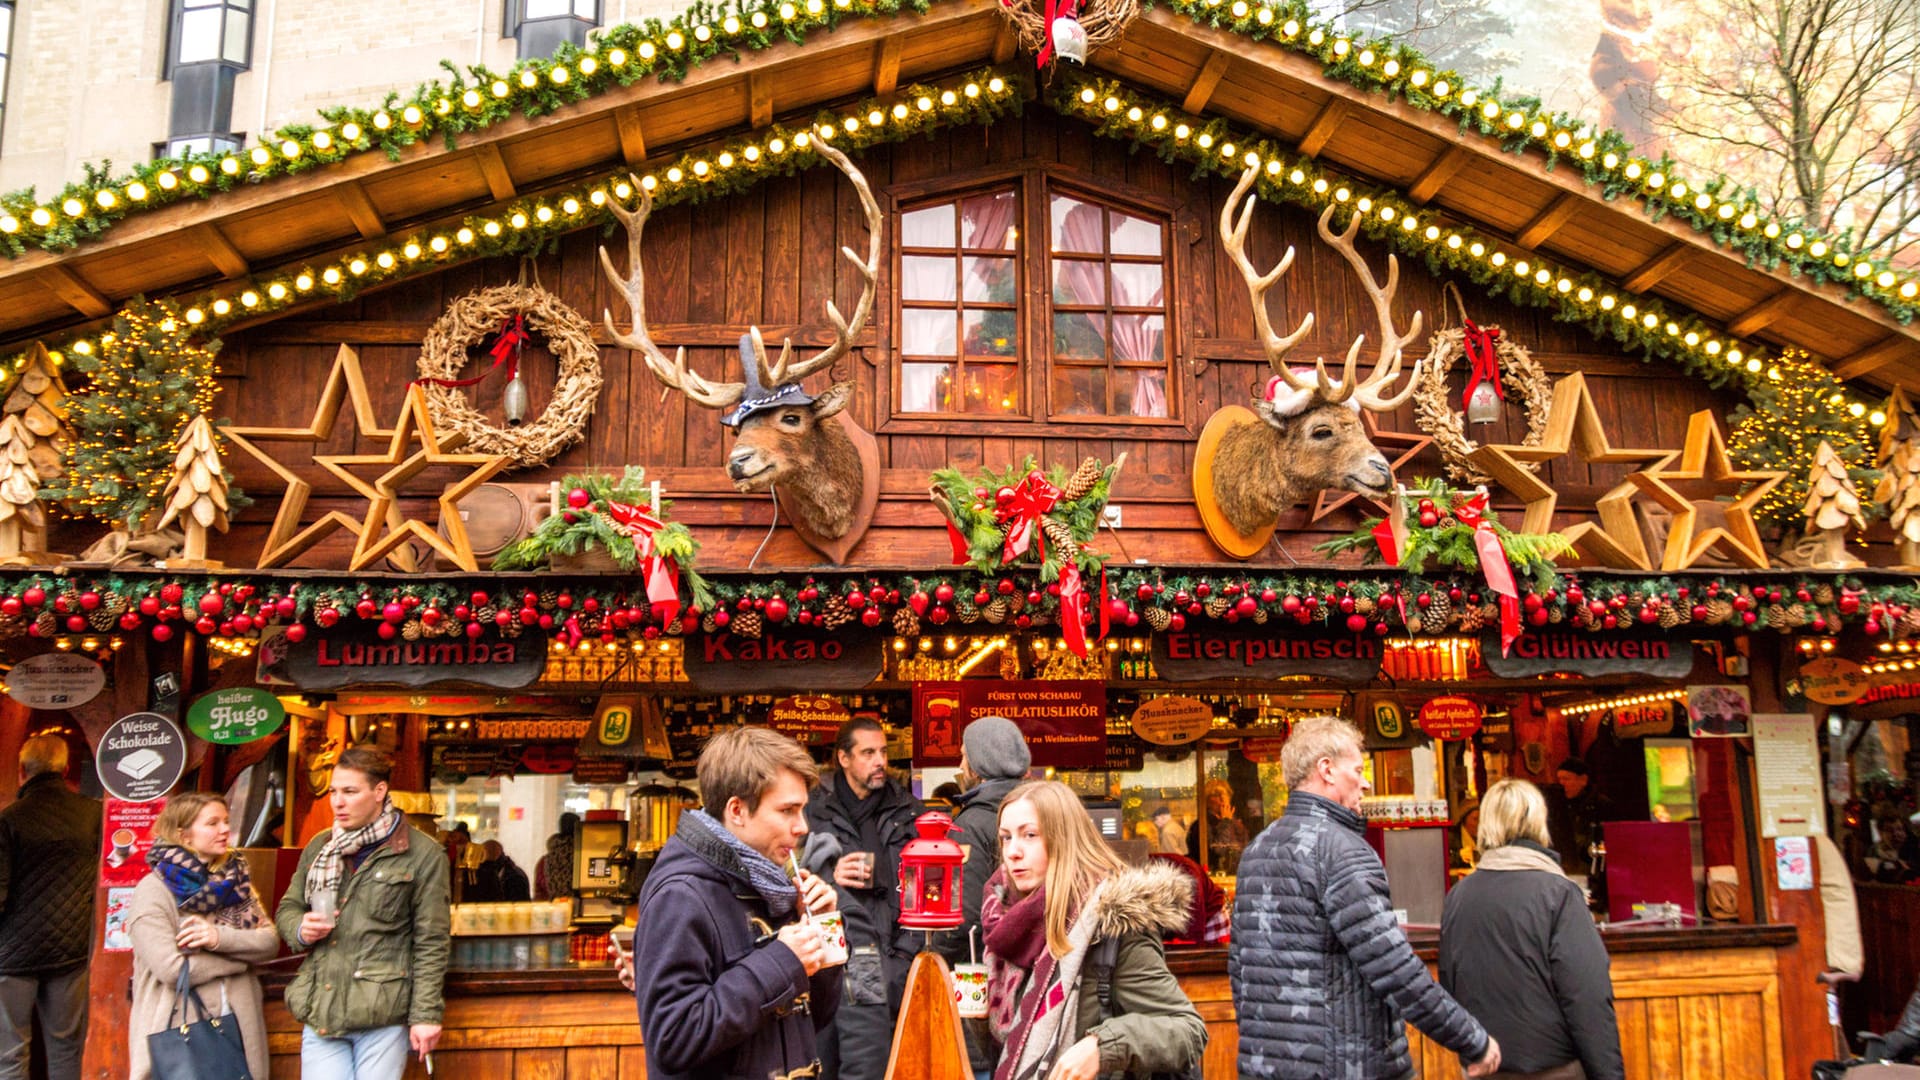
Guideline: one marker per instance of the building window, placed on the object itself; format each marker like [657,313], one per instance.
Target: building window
[6,54]
[542,26]
[212,44]
[1109,327]
[959,315]
[198,144]
[211,31]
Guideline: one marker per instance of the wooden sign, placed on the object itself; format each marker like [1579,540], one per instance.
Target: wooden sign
[548,759]
[1450,718]
[553,729]
[1173,720]
[239,715]
[357,656]
[1829,681]
[725,664]
[55,680]
[1265,652]
[1065,720]
[1263,751]
[459,704]
[1548,652]
[809,720]
[601,770]
[1641,721]
[140,757]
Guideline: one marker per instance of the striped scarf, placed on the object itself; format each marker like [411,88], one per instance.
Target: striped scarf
[224,894]
[1045,1015]
[329,867]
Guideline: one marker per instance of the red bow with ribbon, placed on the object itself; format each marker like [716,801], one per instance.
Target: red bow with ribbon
[506,350]
[1056,9]
[661,573]
[1494,565]
[1483,363]
[1033,500]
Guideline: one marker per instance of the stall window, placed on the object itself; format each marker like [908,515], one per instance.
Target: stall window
[1109,327]
[959,321]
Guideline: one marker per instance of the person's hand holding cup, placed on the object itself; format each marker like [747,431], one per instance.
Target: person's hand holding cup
[816,895]
[854,870]
[807,943]
[317,923]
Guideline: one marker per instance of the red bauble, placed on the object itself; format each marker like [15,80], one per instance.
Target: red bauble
[1035,598]
[474,630]
[529,616]
[721,618]
[1023,621]
[162,632]
[170,593]
[1268,596]
[77,623]
[870,617]
[478,599]
[562,601]
[130,621]
[1428,519]
[297,633]
[211,603]
[503,617]
[1006,587]
[327,616]
[857,600]
[1699,613]
[1290,603]
[1246,605]
[1357,623]
[1575,595]
[1002,497]
[1117,608]
[1177,623]
[89,600]
[205,624]
[590,605]
[387,631]
[1203,590]
[11,605]
[284,607]
[939,615]
[1538,616]
[982,598]
[1144,592]
[393,613]
[777,609]
[918,601]
[242,623]
[578,498]
[431,617]
[364,608]
[1871,626]
[943,593]
[546,622]
[34,595]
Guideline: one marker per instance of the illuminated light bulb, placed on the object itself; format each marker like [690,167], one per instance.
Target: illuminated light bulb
[1656,179]
[1633,170]
[543,214]
[1341,47]
[1794,240]
[1563,285]
[996,84]
[491,228]
[442,107]
[675,40]
[1860,270]
[1205,141]
[1366,58]
[437,245]
[350,131]
[1342,194]
[752,153]
[249,299]
[925,103]
[647,50]
[471,99]
[465,235]
[381,121]
[1817,249]
[1877,418]
[1419,77]
[518,219]
[900,110]
[1263,16]
[1490,110]
[195,316]
[1650,320]
[1856,410]
[1320,186]
[559,75]
[948,97]
[674,175]
[852,124]
[1240,9]
[529,78]
[1477,250]
[9,223]
[1753,365]
[1365,204]
[222,306]
[788,11]
[385,260]
[1454,241]
[702,33]
[167,181]
[230,166]
[1726,213]
[276,291]
[1442,88]
[259,155]
[617,57]
[74,207]
[1409,224]
[1538,129]
[1909,289]
[1297,176]
[1181,131]
[106,200]
[1562,140]
[731,24]
[411,115]
[622,189]
[1226,151]
[570,206]
[1290,27]
[759,20]
[1587,150]
[322,141]
[1628,311]
[303,282]
[1390,68]
[357,267]
[1521,267]
[1885,280]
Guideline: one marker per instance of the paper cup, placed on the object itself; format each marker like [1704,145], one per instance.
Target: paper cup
[834,930]
[970,990]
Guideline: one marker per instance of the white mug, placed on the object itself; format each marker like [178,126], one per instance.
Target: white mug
[970,990]
[833,930]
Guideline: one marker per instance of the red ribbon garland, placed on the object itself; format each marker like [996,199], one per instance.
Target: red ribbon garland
[661,573]
[506,350]
[1483,363]
[1494,565]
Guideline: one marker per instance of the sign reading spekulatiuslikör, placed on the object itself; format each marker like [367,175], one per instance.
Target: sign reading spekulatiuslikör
[1264,652]
[1064,720]
[353,656]
[1578,652]
[235,716]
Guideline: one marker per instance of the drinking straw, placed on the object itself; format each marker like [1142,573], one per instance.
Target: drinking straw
[973,950]
[793,869]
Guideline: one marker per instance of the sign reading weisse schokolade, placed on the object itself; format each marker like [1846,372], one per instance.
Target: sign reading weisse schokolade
[1172,720]
[354,656]
[1578,652]
[140,757]
[235,716]
[1065,720]
[801,662]
[1265,652]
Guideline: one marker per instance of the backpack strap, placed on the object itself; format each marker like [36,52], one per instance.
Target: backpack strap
[1100,961]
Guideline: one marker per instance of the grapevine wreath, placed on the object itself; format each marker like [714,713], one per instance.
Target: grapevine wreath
[1434,411]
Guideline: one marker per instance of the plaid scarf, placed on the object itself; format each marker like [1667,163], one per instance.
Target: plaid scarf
[732,857]
[224,894]
[1035,1026]
[329,867]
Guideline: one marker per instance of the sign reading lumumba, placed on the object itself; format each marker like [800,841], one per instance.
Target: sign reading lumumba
[344,657]
[1583,653]
[1265,652]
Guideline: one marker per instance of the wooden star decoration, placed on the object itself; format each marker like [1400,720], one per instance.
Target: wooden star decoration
[1705,466]
[385,528]
[286,540]
[1573,424]
[1411,443]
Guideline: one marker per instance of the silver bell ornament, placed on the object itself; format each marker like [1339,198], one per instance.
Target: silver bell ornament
[1069,39]
[1483,405]
[513,401]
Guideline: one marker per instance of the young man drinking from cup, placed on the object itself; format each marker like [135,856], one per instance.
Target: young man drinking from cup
[734,979]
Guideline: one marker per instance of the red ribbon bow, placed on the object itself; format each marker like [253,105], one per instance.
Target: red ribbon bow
[662,575]
[1032,500]
[1483,364]
[506,350]
[1056,9]
[1494,565]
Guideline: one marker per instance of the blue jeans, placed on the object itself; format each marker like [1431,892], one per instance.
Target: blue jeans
[374,1054]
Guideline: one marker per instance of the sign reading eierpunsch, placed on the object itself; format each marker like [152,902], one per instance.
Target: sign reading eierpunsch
[1265,652]
[1545,652]
[809,662]
[352,656]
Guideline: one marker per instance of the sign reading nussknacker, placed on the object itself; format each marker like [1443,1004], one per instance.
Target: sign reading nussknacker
[141,757]
[1548,652]
[1265,652]
[351,656]
[55,680]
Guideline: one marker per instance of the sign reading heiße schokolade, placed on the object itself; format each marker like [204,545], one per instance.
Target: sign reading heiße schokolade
[1539,652]
[1265,652]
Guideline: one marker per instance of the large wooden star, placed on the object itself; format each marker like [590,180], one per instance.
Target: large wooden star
[385,528]
[1573,424]
[1692,491]
[1410,443]
[286,540]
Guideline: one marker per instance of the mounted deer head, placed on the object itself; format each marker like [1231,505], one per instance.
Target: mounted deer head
[1310,436]
[783,434]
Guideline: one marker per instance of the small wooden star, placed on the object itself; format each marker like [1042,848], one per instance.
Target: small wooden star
[1411,443]
[1573,423]
[382,495]
[286,540]
[1705,466]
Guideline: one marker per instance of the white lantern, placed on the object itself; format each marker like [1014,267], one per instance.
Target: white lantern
[1070,39]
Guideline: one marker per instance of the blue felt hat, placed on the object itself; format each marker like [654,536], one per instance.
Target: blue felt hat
[757,397]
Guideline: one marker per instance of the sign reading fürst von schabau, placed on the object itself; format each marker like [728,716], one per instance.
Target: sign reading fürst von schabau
[1582,653]
[351,656]
[1264,652]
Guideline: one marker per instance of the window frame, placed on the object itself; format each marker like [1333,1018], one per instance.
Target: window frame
[176,17]
[514,19]
[1107,260]
[1034,181]
[6,59]
[960,305]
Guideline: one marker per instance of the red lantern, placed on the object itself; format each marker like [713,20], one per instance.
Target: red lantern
[930,866]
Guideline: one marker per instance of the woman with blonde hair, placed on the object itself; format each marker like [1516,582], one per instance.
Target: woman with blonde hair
[1078,984]
[1519,950]
[197,908]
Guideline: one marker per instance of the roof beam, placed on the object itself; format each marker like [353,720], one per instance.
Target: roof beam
[760,99]
[1761,315]
[494,168]
[352,198]
[1548,221]
[633,141]
[1005,42]
[1435,176]
[74,292]
[1871,358]
[1204,83]
[1322,128]
[1656,269]
[220,251]
[886,68]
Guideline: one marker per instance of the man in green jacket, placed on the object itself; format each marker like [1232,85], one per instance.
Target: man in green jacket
[369,904]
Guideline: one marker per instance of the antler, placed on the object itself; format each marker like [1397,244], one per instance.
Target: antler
[785,370]
[1372,393]
[673,375]
[1233,237]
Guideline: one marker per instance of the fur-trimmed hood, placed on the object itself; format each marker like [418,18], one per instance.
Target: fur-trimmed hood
[1153,899]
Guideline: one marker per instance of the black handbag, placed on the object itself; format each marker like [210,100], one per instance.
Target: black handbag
[207,1049]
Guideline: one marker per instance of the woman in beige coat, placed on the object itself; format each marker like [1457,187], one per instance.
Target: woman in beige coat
[197,905]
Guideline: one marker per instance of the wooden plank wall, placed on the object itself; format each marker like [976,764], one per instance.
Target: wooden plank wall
[768,256]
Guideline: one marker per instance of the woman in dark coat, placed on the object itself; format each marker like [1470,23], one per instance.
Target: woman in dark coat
[1519,950]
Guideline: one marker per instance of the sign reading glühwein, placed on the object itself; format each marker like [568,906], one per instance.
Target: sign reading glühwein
[351,656]
[1581,653]
[1065,721]
[1265,652]
[803,662]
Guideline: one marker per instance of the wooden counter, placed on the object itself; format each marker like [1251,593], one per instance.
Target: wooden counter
[1692,1003]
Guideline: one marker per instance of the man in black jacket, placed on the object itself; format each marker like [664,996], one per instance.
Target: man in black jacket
[49,855]
[860,819]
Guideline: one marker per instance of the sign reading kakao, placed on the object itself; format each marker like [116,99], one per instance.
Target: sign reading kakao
[1451,717]
[1265,652]
[1173,720]
[723,663]
[1065,721]
[357,656]
[55,680]
[140,757]
[235,716]
[1549,652]
[1832,681]
[808,719]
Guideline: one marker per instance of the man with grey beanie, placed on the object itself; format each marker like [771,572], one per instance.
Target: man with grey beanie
[994,759]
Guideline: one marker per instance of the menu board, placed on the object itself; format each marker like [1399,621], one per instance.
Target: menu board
[1786,753]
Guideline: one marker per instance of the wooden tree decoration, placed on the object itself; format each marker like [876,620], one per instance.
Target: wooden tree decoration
[1899,487]
[39,399]
[1832,503]
[197,494]
[23,521]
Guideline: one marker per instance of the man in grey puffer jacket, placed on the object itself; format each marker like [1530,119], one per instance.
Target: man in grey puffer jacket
[1324,980]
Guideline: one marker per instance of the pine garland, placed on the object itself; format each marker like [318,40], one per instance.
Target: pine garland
[971,503]
[1449,542]
[575,530]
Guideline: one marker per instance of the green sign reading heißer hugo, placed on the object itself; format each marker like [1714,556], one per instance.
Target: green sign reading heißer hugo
[240,715]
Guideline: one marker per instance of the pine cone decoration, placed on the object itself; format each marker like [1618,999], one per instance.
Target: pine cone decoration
[1060,537]
[1719,611]
[834,613]
[511,630]
[101,619]
[1668,616]
[1261,615]
[905,622]
[709,623]
[43,622]
[1218,606]
[1158,617]
[549,597]
[1556,614]
[1438,614]
[1082,480]
[1823,595]
[1364,606]
[1909,623]
[998,611]
[114,604]
[748,624]
[411,630]
[1776,616]
[965,610]
[1471,619]
[484,614]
